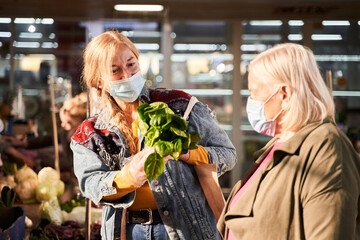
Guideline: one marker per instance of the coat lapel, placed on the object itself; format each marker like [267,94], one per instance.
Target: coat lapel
[246,202]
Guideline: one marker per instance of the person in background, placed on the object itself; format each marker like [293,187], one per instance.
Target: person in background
[15,156]
[305,182]
[71,114]
[7,150]
[171,207]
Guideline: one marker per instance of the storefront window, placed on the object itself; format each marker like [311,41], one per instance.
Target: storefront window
[202,65]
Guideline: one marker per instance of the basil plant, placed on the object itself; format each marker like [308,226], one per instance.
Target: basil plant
[167,133]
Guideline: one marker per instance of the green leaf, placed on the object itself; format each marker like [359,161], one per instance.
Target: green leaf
[158,120]
[178,132]
[195,136]
[157,105]
[154,166]
[152,134]
[168,122]
[186,141]
[153,112]
[167,135]
[143,127]
[141,111]
[179,123]
[164,147]
[7,196]
[176,149]
[193,146]
[166,131]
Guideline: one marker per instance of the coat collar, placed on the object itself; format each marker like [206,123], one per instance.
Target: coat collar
[292,145]
[288,147]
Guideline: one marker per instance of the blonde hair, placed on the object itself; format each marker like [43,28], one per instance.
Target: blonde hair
[295,65]
[98,56]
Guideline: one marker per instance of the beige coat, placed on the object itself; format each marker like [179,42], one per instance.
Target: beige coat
[308,190]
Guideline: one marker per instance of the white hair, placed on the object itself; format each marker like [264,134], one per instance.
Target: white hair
[295,65]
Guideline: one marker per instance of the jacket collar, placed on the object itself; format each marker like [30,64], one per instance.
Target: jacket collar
[290,147]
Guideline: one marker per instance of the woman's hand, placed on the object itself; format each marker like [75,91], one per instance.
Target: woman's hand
[136,166]
[184,157]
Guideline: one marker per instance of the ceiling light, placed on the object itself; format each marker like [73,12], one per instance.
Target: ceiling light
[266,23]
[5,34]
[25,20]
[296,23]
[335,23]
[261,37]
[32,28]
[209,92]
[326,37]
[253,47]
[147,46]
[52,35]
[5,20]
[49,45]
[27,44]
[199,47]
[30,35]
[337,58]
[47,21]
[295,37]
[138,8]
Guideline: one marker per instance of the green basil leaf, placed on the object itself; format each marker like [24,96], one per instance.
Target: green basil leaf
[158,120]
[164,147]
[186,141]
[154,166]
[141,111]
[167,135]
[177,148]
[157,105]
[168,122]
[143,127]
[178,132]
[179,123]
[195,136]
[153,112]
[152,134]
[193,146]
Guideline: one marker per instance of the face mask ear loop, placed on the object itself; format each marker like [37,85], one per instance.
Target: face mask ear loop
[278,114]
[271,96]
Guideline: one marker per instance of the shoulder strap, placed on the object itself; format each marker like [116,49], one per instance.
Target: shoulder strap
[192,102]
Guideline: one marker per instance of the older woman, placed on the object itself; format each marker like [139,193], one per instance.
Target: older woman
[173,206]
[305,182]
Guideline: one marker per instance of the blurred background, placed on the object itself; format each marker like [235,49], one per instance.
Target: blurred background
[200,46]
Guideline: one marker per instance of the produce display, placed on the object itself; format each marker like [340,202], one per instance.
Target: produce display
[26,184]
[166,133]
[57,221]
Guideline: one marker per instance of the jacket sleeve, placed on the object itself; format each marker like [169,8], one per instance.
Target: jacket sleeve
[330,191]
[216,142]
[94,177]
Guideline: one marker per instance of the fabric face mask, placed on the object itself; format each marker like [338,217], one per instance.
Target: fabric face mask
[257,119]
[127,90]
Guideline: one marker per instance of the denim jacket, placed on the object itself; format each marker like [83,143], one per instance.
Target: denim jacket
[100,151]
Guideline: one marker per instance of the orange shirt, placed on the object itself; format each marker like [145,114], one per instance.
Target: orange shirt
[144,197]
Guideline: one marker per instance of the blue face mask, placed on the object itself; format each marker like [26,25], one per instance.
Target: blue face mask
[127,90]
[257,119]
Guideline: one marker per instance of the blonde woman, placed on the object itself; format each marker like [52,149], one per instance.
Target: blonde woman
[305,182]
[171,207]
